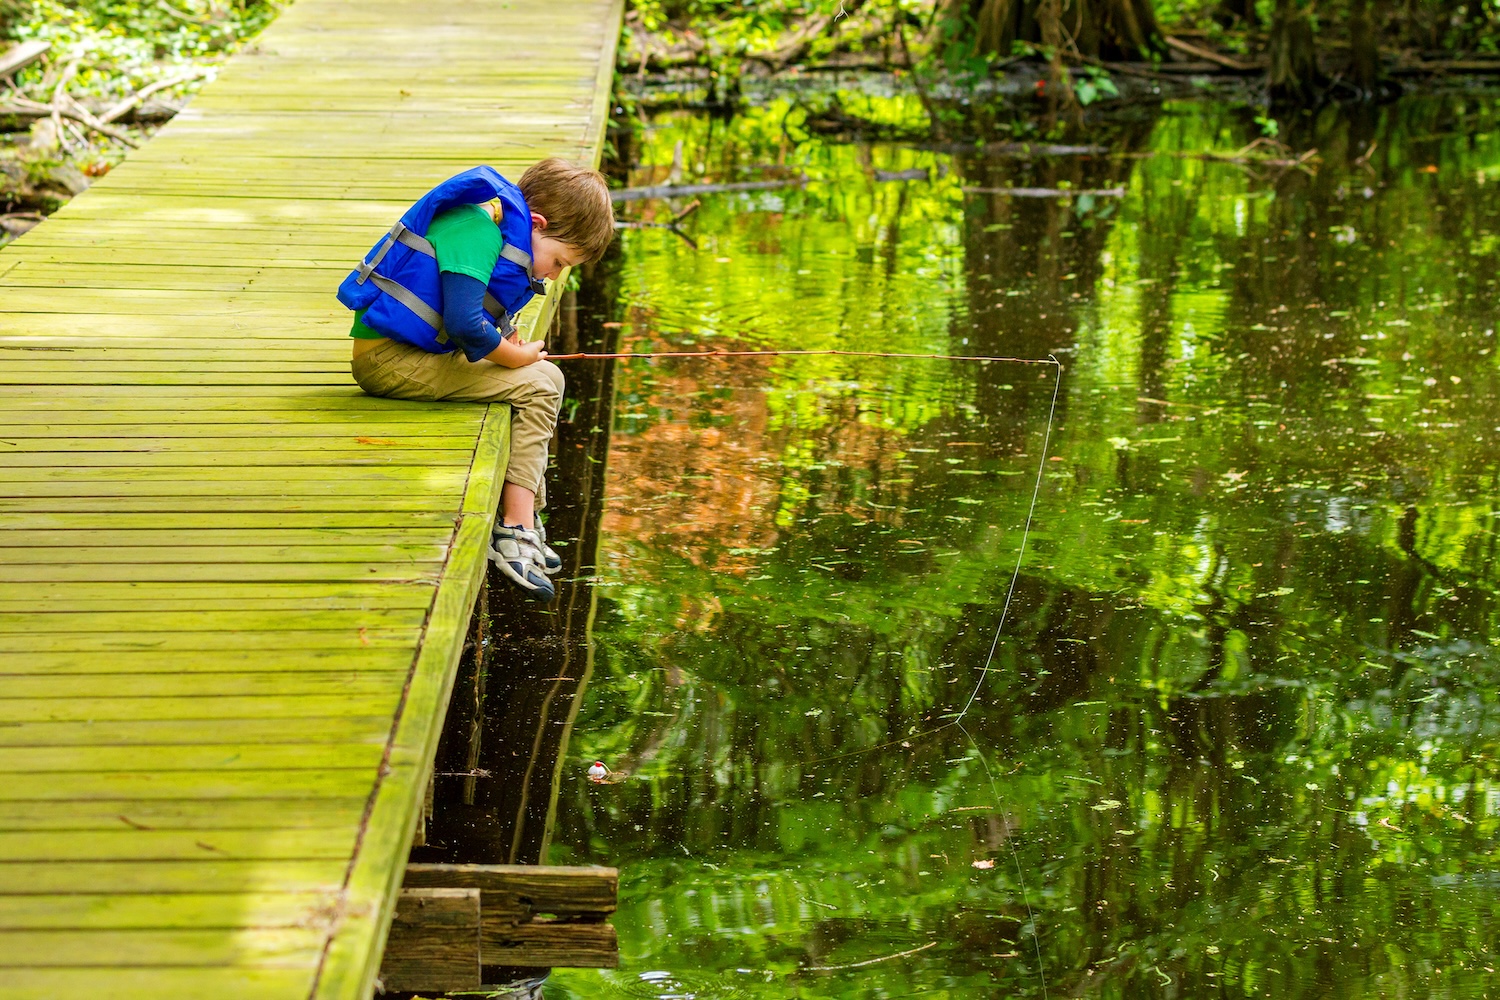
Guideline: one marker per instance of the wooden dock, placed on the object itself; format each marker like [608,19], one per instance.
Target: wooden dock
[234,589]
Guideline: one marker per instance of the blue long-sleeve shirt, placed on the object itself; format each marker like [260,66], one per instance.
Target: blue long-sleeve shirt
[463,316]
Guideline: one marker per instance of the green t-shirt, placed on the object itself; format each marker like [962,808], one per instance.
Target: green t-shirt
[466,241]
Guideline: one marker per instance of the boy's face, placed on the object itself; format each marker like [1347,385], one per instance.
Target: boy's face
[549,256]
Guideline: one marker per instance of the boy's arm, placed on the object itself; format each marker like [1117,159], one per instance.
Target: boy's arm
[463,315]
[514,352]
[476,336]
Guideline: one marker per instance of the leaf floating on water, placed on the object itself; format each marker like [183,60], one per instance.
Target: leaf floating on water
[1104,805]
[984,863]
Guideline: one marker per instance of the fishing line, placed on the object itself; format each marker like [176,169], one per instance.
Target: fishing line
[1036,938]
[1030,510]
[1036,942]
[1021,552]
[956,721]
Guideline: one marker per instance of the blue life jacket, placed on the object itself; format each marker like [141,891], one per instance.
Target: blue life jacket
[397,283]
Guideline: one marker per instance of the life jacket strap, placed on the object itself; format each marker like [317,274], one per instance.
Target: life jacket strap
[400,234]
[409,299]
[516,255]
[411,239]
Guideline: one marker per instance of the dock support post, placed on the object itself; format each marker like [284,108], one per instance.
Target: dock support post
[536,915]
[434,941]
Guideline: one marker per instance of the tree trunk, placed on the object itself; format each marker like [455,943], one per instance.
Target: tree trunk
[1364,49]
[1103,29]
[1293,75]
[1238,13]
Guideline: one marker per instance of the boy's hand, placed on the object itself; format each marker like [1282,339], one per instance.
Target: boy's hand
[513,352]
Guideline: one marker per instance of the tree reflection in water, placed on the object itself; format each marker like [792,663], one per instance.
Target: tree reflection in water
[1242,724]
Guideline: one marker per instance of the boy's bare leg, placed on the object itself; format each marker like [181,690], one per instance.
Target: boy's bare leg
[517,504]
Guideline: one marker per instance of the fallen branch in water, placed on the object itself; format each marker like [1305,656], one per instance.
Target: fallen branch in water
[868,961]
[688,210]
[1019,150]
[1030,149]
[672,224]
[682,190]
[1117,192]
[1240,157]
[914,174]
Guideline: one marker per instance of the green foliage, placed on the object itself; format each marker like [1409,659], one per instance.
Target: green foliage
[122,46]
[1174,14]
[1090,83]
[11,11]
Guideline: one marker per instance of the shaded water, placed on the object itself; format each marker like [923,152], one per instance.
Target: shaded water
[1238,736]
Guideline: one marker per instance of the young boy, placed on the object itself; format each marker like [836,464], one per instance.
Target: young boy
[433,304]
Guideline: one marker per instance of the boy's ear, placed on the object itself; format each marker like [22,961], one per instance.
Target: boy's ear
[538,222]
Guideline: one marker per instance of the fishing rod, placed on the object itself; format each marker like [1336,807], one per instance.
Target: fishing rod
[585,356]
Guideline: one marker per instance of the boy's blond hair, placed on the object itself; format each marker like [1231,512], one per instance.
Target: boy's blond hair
[575,202]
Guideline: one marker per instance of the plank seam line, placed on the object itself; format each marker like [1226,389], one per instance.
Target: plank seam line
[390,742]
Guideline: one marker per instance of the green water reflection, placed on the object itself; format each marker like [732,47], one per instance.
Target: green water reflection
[1239,734]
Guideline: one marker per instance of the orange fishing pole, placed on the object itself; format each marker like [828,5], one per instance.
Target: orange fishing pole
[799,353]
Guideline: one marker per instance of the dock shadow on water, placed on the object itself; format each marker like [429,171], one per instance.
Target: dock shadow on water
[1239,734]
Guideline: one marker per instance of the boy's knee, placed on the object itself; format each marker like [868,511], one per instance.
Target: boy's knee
[553,376]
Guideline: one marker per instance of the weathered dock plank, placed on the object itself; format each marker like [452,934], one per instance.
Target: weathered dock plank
[233,589]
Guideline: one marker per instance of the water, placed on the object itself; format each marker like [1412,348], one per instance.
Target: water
[1238,737]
